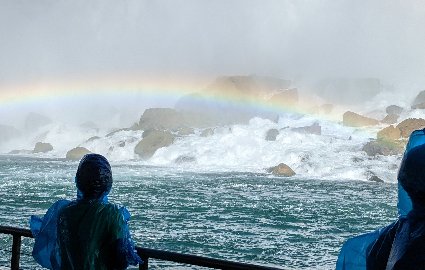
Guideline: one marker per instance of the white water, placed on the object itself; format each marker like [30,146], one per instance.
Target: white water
[335,154]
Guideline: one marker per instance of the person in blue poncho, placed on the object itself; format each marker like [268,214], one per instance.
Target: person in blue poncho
[89,232]
[400,245]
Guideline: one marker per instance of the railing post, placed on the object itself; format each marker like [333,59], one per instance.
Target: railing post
[16,252]
[144,265]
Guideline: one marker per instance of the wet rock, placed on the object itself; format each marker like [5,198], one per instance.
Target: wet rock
[285,97]
[77,153]
[112,133]
[171,119]
[185,159]
[394,109]
[409,125]
[207,132]
[419,101]
[357,159]
[374,178]
[184,131]
[93,138]
[389,133]
[272,134]
[313,129]
[154,140]
[121,144]
[281,170]
[390,119]
[384,148]
[352,119]
[41,147]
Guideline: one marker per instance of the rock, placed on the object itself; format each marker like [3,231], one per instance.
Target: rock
[409,125]
[170,119]
[419,101]
[352,119]
[185,159]
[281,170]
[389,133]
[390,119]
[374,178]
[8,132]
[77,153]
[121,144]
[394,109]
[41,147]
[244,90]
[112,133]
[313,129]
[207,132]
[384,148]
[152,142]
[93,138]
[272,134]
[184,131]
[285,97]
[35,121]
[135,126]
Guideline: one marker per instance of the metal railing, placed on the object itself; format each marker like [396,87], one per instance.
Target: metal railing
[144,253]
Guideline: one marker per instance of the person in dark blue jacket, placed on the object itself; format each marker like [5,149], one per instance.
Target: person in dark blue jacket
[402,245]
[88,233]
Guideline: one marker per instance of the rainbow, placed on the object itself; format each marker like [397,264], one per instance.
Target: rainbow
[155,87]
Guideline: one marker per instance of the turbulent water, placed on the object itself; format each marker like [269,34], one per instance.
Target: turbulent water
[291,223]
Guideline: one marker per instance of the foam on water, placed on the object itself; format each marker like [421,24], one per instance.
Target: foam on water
[335,154]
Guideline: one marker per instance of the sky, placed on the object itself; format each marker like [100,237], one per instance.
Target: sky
[49,40]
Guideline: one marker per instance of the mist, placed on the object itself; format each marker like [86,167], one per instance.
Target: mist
[302,41]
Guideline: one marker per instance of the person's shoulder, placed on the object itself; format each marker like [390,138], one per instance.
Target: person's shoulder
[118,209]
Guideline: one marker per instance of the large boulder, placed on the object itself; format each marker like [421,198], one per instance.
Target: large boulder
[77,153]
[41,147]
[394,109]
[207,132]
[285,97]
[281,170]
[315,128]
[409,125]
[156,139]
[390,119]
[184,131]
[389,134]
[213,103]
[272,134]
[352,119]
[384,148]
[419,101]
[171,119]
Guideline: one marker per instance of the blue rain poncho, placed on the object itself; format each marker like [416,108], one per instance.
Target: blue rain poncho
[86,233]
[398,245]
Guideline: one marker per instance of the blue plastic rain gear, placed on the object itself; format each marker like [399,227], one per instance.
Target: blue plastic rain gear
[86,233]
[400,245]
